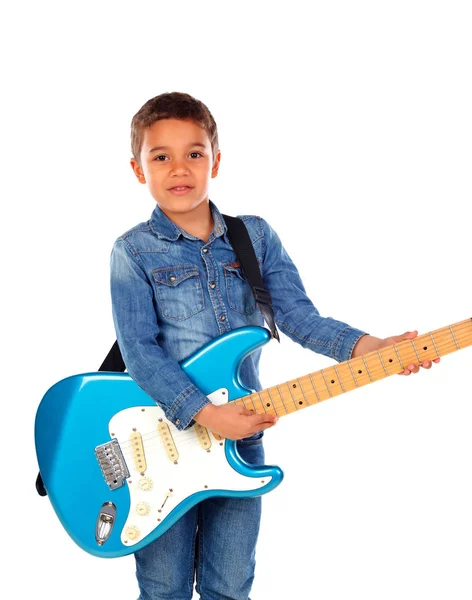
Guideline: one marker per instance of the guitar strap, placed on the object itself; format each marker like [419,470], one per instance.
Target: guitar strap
[242,245]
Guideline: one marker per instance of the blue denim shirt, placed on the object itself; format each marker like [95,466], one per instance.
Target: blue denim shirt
[172,293]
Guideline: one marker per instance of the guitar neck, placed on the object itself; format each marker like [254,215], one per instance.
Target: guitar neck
[310,389]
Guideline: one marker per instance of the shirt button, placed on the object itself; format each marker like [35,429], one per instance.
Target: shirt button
[205,250]
[222,318]
[177,422]
[213,286]
[172,277]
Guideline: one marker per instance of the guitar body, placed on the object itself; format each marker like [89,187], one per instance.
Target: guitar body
[119,474]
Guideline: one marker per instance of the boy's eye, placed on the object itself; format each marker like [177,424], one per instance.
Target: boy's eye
[193,153]
[161,156]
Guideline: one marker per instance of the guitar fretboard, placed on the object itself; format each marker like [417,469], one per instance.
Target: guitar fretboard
[313,388]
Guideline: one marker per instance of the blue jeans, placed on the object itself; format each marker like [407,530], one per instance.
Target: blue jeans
[213,543]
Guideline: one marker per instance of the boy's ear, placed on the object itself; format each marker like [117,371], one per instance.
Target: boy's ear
[137,170]
[216,165]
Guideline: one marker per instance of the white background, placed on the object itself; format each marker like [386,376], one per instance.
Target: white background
[348,127]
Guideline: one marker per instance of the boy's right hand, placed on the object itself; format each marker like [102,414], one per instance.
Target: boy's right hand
[233,421]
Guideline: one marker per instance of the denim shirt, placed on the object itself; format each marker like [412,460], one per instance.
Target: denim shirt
[172,293]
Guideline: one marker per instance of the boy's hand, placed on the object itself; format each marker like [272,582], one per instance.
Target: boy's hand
[369,343]
[233,421]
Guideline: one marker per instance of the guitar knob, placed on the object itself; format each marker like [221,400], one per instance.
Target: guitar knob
[145,483]
[132,533]
[143,509]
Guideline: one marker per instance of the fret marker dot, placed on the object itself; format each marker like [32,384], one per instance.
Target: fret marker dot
[300,402]
[425,347]
[390,360]
[332,380]
[294,385]
[359,371]
[268,404]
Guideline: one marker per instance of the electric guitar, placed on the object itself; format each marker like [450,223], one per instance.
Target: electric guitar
[119,474]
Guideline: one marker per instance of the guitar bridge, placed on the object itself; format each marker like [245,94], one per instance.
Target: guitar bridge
[112,464]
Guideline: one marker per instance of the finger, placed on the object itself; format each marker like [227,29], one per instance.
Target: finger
[408,335]
[261,427]
[413,368]
[426,364]
[257,419]
[436,360]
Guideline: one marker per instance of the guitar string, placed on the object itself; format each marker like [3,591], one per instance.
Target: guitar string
[184,439]
[373,372]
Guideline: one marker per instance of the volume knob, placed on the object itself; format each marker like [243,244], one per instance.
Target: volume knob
[143,509]
[132,533]
[145,483]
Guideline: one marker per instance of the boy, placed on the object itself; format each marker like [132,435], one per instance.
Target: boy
[176,284]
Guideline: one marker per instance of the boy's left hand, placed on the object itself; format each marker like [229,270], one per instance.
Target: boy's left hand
[369,343]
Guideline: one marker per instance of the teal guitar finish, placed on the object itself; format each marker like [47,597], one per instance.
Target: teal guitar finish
[80,413]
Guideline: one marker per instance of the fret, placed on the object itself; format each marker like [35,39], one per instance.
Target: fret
[289,385]
[416,352]
[319,382]
[245,400]
[326,384]
[444,340]
[289,405]
[406,353]
[334,383]
[339,378]
[283,403]
[434,344]
[422,350]
[359,369]
[261,401]
[454,337]
[426,347]
[375,366]
[390,360]
[367,368]
[314,388]
[273,403]
[352,373]
[399,359]
[297,394]
[256,407]
[383,364]
[267,402]
[307,402]
[345,376]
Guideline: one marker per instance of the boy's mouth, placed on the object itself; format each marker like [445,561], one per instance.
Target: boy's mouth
[180,189]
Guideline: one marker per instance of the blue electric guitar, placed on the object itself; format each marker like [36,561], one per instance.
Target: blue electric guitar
[119,474]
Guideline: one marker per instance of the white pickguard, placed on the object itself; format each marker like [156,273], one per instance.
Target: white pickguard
[197,469]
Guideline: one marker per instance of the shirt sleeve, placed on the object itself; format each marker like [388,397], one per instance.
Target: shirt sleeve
[137,329]
[294,312]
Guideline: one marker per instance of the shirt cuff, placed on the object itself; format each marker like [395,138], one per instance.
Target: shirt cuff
[345,342]
[187,404]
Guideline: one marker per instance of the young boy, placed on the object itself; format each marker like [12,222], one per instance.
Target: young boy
[176,284]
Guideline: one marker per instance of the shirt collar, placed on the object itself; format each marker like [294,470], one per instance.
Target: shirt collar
[166,229]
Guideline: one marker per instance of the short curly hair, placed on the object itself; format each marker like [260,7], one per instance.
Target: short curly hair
[172,105]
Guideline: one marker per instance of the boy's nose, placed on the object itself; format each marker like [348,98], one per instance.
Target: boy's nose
[179,167]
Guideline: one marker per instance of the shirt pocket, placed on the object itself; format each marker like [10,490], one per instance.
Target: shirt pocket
[240,296]
[179,291]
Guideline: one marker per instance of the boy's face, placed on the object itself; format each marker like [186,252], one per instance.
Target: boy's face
[177,164]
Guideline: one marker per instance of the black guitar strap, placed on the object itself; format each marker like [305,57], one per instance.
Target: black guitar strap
[242,245]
